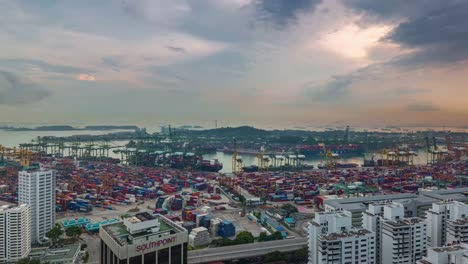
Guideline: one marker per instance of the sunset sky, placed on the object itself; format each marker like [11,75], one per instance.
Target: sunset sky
[281,62]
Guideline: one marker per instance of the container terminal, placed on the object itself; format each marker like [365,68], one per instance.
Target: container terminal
[93,192]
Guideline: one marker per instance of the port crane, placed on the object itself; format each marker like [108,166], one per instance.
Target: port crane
[263,160]
[237,163]
[330,158]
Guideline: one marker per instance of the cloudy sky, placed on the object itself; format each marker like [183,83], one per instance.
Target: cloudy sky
[277,62]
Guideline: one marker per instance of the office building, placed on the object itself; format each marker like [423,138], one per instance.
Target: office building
[455,253]
[403,240]
[15,232]
[333,239]
[143,238]
[37,189]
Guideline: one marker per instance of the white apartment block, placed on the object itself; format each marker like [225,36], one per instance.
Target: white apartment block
[15,233]
[372,220]
[455,253]
[37,188]
[447,222]
[403,239]
[333,239]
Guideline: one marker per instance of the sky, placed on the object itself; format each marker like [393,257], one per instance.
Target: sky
[276,62]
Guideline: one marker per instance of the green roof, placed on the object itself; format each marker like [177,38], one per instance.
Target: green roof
[119,231]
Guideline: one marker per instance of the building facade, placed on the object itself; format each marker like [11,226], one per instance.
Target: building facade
[333,239]
[447,222]
[143,238]
[37,189]
[403,239]
[15,232]
[456,253]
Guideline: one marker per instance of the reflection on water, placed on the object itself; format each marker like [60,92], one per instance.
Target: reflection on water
[14,138]
[226,159]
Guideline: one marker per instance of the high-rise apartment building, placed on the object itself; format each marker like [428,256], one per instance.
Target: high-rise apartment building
[447,222]
[333,239]
[37,189]
[15,233]
[403,240]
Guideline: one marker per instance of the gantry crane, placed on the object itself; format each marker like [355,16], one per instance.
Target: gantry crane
[237,162]
[263,160]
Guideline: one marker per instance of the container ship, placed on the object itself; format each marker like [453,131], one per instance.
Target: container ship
[340,166]
[314,150]
[210,165]
[254,168]
[240,151]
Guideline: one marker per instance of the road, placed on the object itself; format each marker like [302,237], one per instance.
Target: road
[244,251]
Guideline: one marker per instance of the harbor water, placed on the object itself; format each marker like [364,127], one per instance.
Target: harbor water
[14,138]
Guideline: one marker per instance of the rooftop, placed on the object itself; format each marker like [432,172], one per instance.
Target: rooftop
[351,233]
[453,248]
[67,252]
[461,221]
[405,222]
[424,198]
[119,232]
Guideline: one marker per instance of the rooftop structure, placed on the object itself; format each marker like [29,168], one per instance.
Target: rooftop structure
[454,253]
[141,237]
[68,254]
[414,204]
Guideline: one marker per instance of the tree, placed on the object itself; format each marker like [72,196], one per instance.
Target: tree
[301,255]
[263,237]
[274,256]
[86,257]
[276,236]
[289,209]
[74,231]
[55,233]
[244,237]
[29,261]
[23,261]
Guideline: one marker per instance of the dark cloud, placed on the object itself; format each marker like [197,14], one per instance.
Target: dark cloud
[283,12]
[176,49]
[113,62]
[333,90]
[423,107]
[13,90]
[389,9]
[47,67]
[437,29]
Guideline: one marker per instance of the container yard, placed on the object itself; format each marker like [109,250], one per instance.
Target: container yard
[91,193]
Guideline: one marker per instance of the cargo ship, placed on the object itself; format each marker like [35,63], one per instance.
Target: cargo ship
[209,165]
[240,151]
[381,163]
[254,168]
[315,150]
[340,166]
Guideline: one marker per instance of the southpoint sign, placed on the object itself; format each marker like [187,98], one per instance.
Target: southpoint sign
[155,244]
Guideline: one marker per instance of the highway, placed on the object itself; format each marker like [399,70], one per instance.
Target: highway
[244,251]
